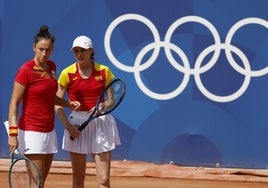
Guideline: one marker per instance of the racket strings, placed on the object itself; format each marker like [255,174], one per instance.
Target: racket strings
[118,91]
[23,173]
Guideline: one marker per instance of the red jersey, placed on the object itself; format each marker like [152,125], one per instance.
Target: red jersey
[86,91]
[39,98]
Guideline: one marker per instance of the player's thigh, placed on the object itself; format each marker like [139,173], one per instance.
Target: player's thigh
[78,163]
[42,162]
[103,163]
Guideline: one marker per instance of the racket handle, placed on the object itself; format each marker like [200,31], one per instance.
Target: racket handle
[81,127]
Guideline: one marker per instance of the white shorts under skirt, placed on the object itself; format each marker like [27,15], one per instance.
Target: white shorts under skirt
[31,142]
[101,135]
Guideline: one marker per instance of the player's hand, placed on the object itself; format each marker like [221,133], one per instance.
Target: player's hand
[91,110]
[75,105]
[73,131]
[13,144]
[100,109]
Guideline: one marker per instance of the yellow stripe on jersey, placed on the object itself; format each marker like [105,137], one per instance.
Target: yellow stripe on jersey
[108,73]
[64,79]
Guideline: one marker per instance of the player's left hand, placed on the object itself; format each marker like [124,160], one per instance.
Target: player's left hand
[75,105]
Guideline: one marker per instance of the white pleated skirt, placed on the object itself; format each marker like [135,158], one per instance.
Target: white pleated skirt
[31,142]
[101,135]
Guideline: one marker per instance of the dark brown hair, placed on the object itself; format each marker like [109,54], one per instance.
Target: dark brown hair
[44,34]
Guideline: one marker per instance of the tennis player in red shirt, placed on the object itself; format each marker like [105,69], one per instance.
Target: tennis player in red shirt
[35,84]
[84,80]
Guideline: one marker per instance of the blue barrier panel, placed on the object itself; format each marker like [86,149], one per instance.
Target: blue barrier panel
[196,73]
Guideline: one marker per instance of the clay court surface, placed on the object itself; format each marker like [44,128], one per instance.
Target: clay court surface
[133,174]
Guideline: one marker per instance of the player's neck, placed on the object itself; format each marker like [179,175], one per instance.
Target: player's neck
[40,66]
[85,69]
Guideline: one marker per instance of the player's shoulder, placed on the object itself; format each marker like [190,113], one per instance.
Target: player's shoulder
[100,67]
[27,66]
[71,68]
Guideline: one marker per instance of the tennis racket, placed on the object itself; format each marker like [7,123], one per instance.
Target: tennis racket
[118,87]
[22,171]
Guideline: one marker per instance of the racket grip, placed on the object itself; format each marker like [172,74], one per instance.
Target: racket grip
[84,125]
[81,128]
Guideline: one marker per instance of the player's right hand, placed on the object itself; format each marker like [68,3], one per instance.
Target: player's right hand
[73,131]
[13,144]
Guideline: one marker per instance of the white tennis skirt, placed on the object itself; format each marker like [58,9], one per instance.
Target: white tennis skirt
[31,142]
[101,135]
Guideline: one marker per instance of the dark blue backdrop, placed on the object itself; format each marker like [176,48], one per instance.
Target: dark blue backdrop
[196,72]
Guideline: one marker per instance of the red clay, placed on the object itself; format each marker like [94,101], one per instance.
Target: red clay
[133,174]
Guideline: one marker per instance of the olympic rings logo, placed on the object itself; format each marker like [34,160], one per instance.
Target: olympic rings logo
[186,69]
